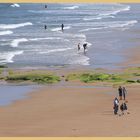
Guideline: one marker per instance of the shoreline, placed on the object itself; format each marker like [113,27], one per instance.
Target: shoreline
[73,108]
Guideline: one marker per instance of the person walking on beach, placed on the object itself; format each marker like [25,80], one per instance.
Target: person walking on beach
[62,27]
[116,106]
[120,92]
[85,47]
[124,91]
[45,27]
[78,46]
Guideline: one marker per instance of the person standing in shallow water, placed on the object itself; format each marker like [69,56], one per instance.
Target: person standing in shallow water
[124,91]
[85,47]
[46,6]
[62,27]
[45,27]
[78,46]
[120,92]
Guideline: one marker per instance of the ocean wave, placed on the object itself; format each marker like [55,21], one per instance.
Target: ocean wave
[13,26]
[89,29]
[113,24]
[97,17]
[55,50]
[123,24]
[15,5]
[6,32]
[47,38]
[71,7]
[7,57]
[59,28]
[16,42]
[125,8]
[108,14]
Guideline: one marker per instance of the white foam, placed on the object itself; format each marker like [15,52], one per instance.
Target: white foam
[126,8]
[89,29]
[84,60]
[55,50]
[7,57]
[108,14]
[16,42]
[79,35]
[15,5]
[114,24]
[122,24]
[49,38]
[59,28]
[98,17]
[13,26]
[6,32]
[71,8]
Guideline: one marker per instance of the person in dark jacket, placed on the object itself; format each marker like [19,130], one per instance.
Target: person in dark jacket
[85,47]
[123,107]
[120,92]
[46,6]
[62,27]
[45,27]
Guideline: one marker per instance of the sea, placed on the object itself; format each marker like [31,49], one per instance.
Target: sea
[108,30]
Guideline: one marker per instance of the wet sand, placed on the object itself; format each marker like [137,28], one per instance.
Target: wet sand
[133,57]
[71,111]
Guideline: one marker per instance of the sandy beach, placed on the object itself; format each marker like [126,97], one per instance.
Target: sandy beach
[71,111]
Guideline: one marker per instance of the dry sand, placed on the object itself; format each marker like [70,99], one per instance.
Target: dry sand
[71,111]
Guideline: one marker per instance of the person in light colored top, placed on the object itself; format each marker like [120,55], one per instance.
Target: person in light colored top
[116,106]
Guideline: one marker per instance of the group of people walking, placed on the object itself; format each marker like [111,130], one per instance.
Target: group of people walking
[121,103]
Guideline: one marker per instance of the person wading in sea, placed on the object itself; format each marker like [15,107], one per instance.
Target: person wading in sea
[85,47]
[62,27]
[46,6]
[45,27]
[78,46]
